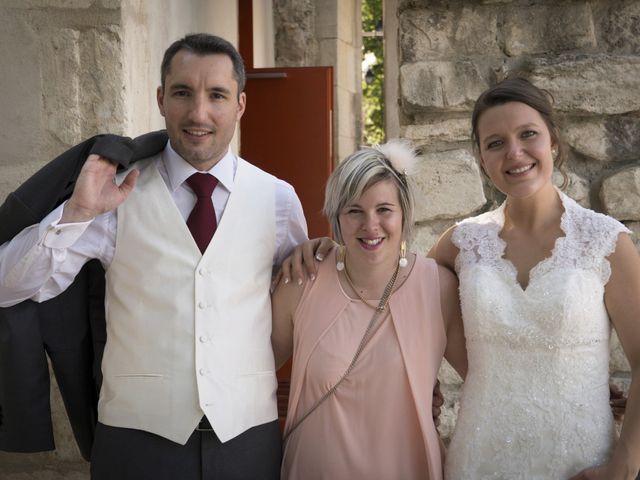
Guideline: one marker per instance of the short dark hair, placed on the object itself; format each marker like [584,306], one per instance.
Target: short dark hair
[517,89]
[205,44]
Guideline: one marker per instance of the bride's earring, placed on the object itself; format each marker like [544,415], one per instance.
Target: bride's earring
[403,262]
[340,258]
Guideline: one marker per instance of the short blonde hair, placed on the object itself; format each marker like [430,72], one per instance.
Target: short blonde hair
[360,171]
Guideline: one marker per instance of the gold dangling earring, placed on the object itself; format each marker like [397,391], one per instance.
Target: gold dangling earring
[403,262]
[340,258]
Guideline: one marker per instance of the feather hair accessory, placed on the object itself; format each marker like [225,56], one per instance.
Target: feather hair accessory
[401,155]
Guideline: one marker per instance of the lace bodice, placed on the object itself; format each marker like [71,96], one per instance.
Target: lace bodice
[535,401]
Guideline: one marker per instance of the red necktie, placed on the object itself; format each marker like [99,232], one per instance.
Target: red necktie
[202,219]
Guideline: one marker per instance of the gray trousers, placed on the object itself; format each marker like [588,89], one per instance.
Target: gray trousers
[127,454]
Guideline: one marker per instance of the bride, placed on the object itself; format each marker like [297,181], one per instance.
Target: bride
[540,277]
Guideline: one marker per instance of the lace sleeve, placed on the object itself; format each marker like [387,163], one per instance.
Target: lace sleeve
[596,237]
[478,241]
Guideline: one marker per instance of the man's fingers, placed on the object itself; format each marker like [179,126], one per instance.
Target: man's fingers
[308,257]
[435,413]
[618,407]
[276,279]
[297,271]
[615,391]
[129,182]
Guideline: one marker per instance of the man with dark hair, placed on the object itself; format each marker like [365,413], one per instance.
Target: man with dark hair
[188,239]
[203,44]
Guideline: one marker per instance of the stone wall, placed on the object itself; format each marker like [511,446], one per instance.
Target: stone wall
[586,53]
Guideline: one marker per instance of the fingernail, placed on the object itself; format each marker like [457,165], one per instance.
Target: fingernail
[313,277]
[299,281]
[319,257]
[286,280]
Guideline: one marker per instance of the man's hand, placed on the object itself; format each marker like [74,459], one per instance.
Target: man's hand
[437,403]
[618,402]
[304,255]
[96,192]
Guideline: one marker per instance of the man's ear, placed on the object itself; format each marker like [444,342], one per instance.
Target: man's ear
[160,99]
[242,105]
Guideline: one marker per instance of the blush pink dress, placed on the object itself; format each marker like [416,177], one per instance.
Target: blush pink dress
[378,424]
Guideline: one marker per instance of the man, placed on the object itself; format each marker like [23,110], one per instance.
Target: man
[188,386]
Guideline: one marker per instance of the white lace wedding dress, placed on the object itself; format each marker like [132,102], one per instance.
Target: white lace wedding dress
[535,404]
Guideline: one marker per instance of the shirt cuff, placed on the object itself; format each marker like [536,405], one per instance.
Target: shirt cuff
[60,235]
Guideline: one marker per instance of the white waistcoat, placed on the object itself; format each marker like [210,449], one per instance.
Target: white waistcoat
[187,332]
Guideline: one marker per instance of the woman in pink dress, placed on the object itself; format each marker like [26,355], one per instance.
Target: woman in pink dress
[367,335]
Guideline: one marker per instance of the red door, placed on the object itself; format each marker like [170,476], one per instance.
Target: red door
[286,130]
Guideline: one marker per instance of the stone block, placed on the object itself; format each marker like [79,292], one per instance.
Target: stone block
[427,234]
[436,131]
[600,84]
[319,16]
[102,94]
[61,85]
[577,187]
[588,138]
[295,36]
[448,186]
[290,45]
[620,194]
[347,66]
[345,111]
[535,29]
[348,19]
[618,26]
[614,138]
[447,31]
[21,86]
[345,146]
[440,85]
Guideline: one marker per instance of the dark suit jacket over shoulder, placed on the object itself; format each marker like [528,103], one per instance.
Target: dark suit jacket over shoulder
[69,328]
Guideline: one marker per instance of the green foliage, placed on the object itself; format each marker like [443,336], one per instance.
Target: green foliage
[372,93]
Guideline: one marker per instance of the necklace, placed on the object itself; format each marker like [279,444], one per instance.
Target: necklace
[385,295]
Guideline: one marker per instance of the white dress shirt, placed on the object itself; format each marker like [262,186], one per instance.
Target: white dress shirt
[42,260]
